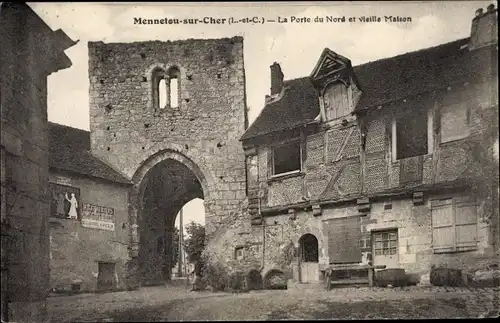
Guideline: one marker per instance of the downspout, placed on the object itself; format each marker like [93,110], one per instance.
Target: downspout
[263,236]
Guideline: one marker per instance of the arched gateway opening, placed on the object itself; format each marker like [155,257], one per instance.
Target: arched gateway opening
[162,191]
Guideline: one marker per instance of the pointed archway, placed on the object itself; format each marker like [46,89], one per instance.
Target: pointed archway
[164,184]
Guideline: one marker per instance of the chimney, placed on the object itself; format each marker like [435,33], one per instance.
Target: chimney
[484,28]
[276,78]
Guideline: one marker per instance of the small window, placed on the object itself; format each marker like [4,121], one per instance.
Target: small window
[162,94]
[174,86]
[165,88]
[287,158]
[238,253]
[411,134]
[174,92]
[455,121]
[386,243]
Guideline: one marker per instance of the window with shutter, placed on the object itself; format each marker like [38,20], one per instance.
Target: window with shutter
[454,122]
[336,101]
[454,225]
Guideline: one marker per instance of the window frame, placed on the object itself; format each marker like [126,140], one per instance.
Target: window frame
[326,88]
[158,74]
[273,164]
[430,135]
[159,89]
[237,250]
[174,72]
[392,237]
[456,202]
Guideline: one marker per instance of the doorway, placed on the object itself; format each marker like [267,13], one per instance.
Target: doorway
[385,248]
[106,276]
[309,259]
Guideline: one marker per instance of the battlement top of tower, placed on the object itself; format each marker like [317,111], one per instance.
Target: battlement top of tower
[234,39]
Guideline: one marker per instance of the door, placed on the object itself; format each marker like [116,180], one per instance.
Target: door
[309,272]
[385,248]
[309,265]
[106,276]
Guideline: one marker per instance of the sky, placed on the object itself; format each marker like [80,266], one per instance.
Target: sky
[296,46]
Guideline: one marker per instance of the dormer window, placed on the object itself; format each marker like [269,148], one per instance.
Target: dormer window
[336,100]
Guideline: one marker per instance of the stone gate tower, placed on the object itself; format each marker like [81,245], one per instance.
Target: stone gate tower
[169,115]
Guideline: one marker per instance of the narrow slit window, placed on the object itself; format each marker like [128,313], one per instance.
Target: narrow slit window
[174,87]
[162,94]
[174,92]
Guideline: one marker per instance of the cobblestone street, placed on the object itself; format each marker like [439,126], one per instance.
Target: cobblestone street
[177,304]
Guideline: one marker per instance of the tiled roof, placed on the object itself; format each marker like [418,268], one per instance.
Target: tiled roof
[382,82]
[69,150]
[299,105]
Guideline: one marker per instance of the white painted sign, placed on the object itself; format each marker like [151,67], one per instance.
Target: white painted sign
[98,217]
[96,224]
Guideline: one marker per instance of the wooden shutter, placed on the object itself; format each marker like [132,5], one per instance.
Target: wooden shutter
[443,233]
[454,224]
[465,226]
[454,122]
[336,101]
[343,239]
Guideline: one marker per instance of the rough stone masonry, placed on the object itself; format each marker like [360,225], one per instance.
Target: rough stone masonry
[133,133]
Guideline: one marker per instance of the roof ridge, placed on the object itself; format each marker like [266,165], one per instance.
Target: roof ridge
[66,126]
[412,52]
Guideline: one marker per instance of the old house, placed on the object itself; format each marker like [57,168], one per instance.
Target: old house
[88,215]
[29,52]
[377,164]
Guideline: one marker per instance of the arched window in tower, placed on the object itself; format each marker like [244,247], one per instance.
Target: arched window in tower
[159,89]
[162,93]
[174,75]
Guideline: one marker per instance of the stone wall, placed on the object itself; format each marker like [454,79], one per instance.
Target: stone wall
[75,250]
[28,54]
[412,221]
[204,130]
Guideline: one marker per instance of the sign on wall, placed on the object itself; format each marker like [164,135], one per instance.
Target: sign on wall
[65,201]
[98,217]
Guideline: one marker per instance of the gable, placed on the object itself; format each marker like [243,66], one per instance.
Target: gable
[328,63]
[330,66]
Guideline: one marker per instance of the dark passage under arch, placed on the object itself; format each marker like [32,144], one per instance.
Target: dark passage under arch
[167,187]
